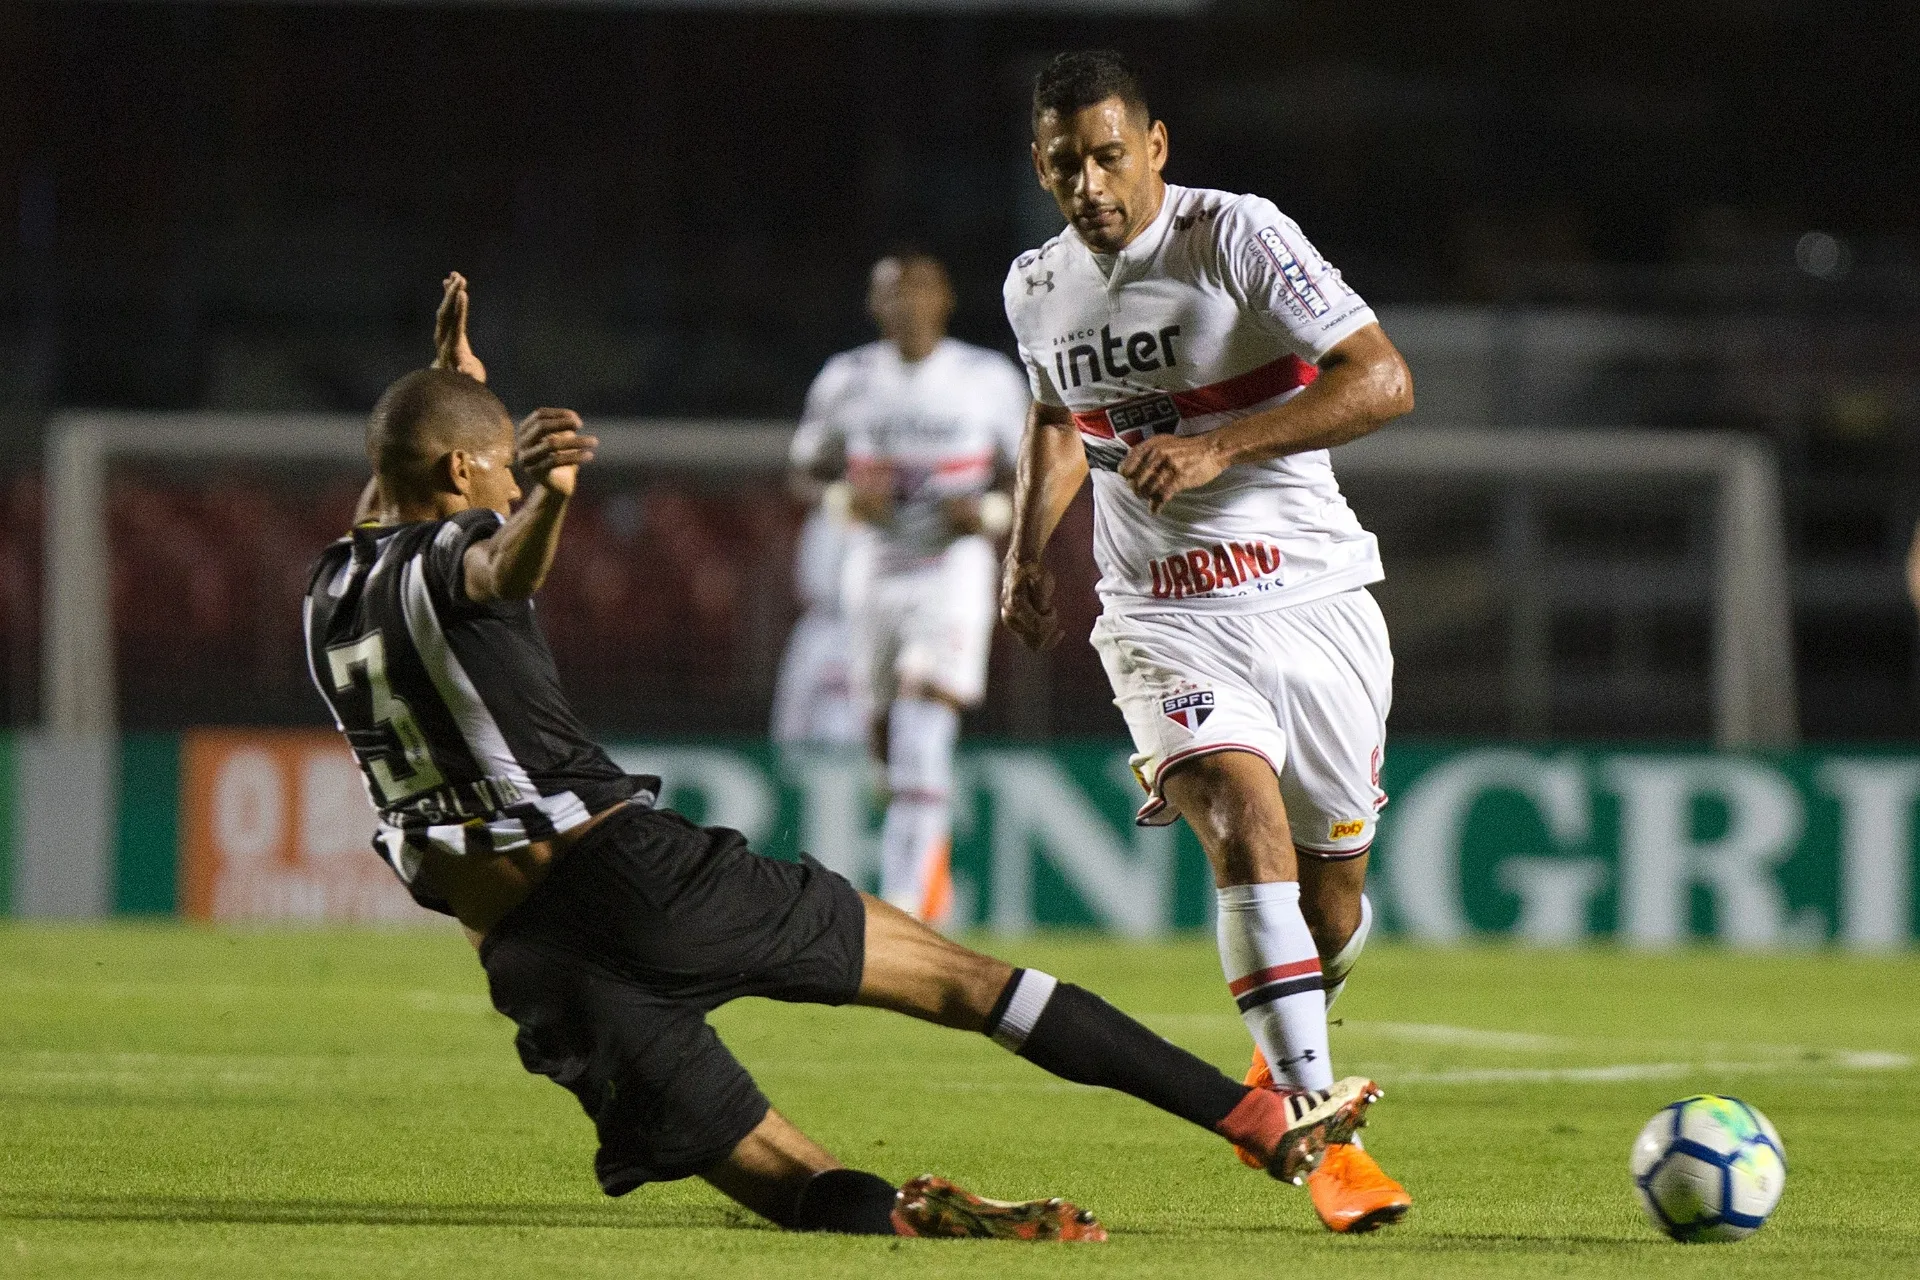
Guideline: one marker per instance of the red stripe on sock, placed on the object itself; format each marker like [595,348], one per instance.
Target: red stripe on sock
[1240,986]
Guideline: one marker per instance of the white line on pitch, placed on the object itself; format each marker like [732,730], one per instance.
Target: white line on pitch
[1629,1071]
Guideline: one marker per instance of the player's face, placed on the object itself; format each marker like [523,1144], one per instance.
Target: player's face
[1102,166]
[910,298]
[490,481]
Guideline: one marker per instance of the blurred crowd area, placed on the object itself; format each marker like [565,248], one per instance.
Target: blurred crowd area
[1569,215]
[1546,612]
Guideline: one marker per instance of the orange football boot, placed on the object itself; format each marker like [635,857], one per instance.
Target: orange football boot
[1295,1127]
[1352,1193]
[930,1206]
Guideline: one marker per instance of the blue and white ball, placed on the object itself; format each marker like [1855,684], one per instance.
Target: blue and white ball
[1709,1168]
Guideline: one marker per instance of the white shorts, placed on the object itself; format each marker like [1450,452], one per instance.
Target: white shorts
[813,699]
[1306,688]
[932,624]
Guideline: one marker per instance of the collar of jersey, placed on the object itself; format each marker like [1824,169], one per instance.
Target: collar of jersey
[1144,246]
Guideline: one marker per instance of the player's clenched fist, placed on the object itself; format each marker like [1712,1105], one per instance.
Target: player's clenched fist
[551,448]
[1162,466]
[1026,604]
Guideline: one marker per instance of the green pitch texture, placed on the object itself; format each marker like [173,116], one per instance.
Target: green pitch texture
[177,1102]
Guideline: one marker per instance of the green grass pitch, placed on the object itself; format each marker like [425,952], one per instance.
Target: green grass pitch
[181,1102]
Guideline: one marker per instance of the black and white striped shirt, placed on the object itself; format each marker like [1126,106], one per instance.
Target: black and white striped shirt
[453,708]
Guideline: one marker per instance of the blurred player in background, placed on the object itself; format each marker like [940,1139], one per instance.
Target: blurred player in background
[814,698]
[609,927]
[1194,351]
[921,424]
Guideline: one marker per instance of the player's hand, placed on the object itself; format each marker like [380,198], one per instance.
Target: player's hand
[551,449]
[1162,466]
[1026,604]
[870,495]
[962,514]
[450,347]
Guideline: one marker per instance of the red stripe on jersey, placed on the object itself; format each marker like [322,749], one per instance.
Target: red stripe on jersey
[952,466]
[1256,386]
[1299,968]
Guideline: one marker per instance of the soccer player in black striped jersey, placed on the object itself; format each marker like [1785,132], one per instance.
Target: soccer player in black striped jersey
[609,927]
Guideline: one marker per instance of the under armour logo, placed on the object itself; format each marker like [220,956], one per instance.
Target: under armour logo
[1043,281]
[1306,1055]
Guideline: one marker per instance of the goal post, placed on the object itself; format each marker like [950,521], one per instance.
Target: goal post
[78,693]
[1753,698]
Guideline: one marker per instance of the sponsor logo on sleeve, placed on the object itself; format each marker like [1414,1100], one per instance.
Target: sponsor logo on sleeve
[1039,282]
[1189,710]
[1292,272]
[1347,829]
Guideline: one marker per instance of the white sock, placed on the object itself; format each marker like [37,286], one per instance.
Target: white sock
[1273,971]
[915,838]
[1336,970]
[913,848]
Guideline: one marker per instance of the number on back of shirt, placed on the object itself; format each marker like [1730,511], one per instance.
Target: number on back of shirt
[391,747]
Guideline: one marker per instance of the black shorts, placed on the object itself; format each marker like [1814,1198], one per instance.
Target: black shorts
[611,964]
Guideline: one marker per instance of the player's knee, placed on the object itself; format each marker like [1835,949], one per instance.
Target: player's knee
[1232,801]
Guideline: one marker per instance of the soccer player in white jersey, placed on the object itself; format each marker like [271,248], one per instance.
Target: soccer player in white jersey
[925,423]
[1193,351]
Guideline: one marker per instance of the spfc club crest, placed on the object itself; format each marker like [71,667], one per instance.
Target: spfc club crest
[1189,710]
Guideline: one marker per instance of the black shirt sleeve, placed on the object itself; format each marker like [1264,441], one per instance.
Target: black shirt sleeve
[445,560]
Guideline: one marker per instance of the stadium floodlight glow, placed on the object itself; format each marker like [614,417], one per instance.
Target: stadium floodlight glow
[1753,696]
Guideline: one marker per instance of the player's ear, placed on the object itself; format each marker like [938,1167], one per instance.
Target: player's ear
[1157,145]
[1039,165]
[454,472]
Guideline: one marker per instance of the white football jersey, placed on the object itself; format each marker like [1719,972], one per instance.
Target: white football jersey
[1218,310]
[935,427]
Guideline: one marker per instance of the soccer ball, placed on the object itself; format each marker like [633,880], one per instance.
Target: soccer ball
[1709,1168]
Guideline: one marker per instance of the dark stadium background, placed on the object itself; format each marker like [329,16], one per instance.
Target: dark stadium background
[670,213]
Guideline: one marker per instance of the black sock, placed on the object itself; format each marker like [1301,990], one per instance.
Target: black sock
[849,1201]
[1080,1037]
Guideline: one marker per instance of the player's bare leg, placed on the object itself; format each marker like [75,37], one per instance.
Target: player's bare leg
[1331,892]
[918,733]
[1350,1190]
[1077,1036]
[787,1178]
[770,1168]
[1232,801]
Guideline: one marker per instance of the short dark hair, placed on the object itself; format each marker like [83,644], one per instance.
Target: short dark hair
[425,413]
[1079,79]
[909,252]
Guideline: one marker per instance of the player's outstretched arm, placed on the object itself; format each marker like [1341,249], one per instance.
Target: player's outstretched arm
[1051,469]
[1363,385]
[513,563]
